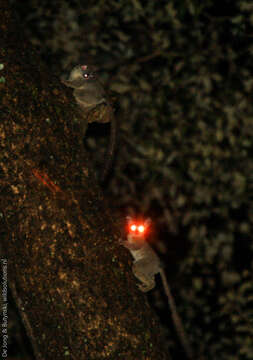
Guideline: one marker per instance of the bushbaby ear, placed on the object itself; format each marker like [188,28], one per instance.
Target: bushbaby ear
[129,219]
[147,222]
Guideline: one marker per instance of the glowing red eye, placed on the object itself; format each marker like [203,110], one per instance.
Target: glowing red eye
[133,227]
[141,228]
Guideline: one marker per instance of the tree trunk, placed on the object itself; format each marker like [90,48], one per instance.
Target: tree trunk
[70,279]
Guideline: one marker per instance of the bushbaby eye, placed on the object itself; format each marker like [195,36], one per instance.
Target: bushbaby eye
[141,228]
[133,227]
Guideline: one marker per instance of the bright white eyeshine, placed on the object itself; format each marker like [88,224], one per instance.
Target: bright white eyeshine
[141,228]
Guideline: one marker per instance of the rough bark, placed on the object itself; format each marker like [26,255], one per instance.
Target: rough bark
[70,278]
